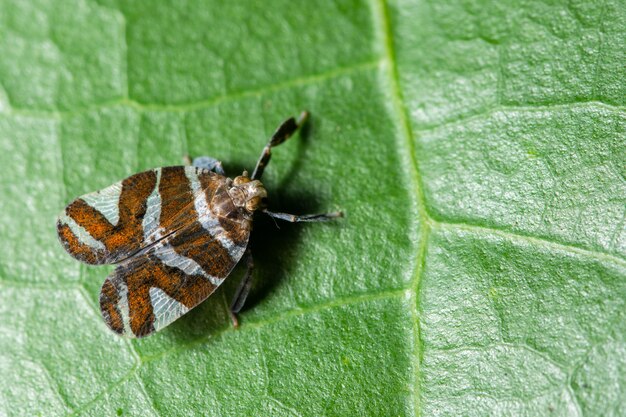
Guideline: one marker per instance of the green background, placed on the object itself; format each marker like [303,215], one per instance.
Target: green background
[477,148]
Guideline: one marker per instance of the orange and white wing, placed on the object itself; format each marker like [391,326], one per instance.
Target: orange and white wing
[112,224]
[150,291]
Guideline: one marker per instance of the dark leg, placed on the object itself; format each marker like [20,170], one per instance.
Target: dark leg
[324,217]
[284,132]
[243,290]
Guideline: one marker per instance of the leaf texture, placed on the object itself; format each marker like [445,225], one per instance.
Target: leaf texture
[476,147]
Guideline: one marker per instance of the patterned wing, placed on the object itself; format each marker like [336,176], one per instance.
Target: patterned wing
[117,222]
[149,291]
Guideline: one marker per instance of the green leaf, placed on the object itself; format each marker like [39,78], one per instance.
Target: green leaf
[476,147]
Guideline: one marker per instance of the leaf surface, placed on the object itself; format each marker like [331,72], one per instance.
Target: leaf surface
[476,147]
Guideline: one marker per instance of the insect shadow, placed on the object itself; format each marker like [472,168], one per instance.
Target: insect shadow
[274,245]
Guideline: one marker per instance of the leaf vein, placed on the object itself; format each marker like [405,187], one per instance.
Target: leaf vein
[410,161]
[257,324]
[196,105]
[105,391]
[533,240]
[456,121]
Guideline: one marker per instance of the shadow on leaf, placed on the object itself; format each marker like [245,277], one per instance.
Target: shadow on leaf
[274,248]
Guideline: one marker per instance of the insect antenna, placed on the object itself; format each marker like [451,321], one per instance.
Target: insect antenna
[284,132]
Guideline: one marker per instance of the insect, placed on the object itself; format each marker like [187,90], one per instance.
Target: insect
[175,234]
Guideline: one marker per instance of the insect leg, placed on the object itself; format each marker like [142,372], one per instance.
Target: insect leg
[209,163]
[243,290]
[284,132]
[293,218]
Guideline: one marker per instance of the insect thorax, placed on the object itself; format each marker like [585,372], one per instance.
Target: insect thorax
[248,194]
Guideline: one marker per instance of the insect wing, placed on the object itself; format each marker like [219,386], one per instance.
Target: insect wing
[150,291]
[117,222]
